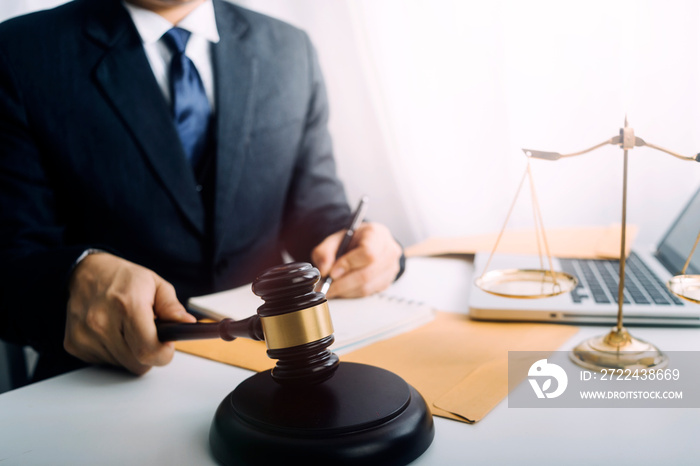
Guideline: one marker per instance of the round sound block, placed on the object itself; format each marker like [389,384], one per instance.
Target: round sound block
[363,414]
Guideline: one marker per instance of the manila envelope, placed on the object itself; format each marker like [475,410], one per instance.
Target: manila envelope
[579,242]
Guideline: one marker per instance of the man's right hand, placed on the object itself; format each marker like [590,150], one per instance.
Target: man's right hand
[111,311]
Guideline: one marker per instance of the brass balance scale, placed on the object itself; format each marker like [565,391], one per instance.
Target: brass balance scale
[617,349]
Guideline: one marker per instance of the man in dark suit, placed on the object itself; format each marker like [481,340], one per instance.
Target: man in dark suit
[109,221]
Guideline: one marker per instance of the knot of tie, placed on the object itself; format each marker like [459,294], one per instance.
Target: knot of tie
[177,38]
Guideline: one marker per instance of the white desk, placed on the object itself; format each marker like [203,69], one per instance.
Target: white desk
[102,416]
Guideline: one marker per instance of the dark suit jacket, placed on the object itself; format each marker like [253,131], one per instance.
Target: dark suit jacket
[91,158]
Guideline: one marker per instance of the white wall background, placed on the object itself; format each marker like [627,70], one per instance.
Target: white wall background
[431,101]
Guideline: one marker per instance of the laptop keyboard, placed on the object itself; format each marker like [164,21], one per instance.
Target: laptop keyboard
[598,279]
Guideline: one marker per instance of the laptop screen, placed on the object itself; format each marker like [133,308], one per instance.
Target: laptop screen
[674,248]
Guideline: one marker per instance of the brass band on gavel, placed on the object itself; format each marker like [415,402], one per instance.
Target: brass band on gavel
[298,327]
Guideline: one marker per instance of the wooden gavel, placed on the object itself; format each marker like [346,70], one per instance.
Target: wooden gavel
[294,322]
[309,408]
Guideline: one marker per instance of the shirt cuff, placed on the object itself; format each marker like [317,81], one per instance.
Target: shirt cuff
[84,254]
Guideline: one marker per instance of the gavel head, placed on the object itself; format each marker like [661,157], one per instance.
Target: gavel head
[296,323]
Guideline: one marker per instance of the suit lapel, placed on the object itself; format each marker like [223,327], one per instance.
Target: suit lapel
[127,81]
[236,72]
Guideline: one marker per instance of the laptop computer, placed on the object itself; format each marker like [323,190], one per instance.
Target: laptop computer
[594,300]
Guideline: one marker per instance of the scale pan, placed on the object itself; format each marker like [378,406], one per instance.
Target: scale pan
[526,283]
[686,287]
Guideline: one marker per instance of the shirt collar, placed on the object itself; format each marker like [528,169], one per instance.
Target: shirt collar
[151,26]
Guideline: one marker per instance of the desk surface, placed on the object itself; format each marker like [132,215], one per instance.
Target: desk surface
[105,416]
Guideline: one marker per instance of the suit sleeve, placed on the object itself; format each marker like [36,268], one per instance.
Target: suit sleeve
[34,263]
[316,206]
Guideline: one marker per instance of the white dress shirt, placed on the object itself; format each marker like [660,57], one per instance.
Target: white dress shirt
[201,23]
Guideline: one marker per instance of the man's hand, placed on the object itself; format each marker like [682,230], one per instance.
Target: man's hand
[111,312]
[370,265]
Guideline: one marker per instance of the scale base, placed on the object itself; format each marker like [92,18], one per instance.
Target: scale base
[618,350]
[362,415]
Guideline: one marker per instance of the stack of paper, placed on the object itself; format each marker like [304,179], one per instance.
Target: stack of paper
[356,322]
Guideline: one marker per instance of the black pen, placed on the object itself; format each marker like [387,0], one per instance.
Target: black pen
[356,220]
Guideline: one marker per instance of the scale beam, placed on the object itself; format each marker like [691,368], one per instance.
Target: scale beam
[626,140]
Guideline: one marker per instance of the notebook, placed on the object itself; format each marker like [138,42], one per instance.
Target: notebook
[647,300]
[356,322]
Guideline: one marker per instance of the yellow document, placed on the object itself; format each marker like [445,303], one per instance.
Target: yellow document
[460,366]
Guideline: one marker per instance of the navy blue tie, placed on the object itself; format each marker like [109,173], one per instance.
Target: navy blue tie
[191,111]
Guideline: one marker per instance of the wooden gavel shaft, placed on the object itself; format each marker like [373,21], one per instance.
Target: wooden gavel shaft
[227,329]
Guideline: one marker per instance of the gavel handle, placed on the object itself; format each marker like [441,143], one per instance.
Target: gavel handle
[227,329]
